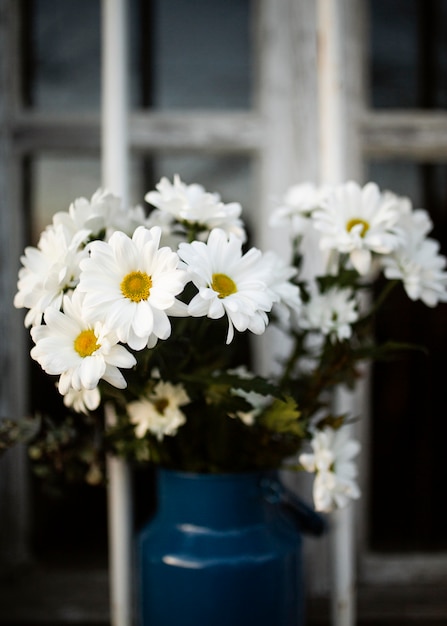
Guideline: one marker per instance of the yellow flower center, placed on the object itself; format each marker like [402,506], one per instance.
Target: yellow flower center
[355,222]
[224,285]
[85,343]
[136,286]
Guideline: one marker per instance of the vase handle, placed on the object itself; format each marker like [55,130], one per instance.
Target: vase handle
[305,517]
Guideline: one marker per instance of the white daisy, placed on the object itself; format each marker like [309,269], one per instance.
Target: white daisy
[228,283]
[359,222]
[277,274]
[49,271]
[417,262]
[331,312]
[334,469]
[257,401]
[159,412]
[81,353]
[297,204]
[130,284]
[100,215]
[127,221]
[194,205]
[82,400]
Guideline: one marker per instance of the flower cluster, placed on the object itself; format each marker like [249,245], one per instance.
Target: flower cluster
[148,314]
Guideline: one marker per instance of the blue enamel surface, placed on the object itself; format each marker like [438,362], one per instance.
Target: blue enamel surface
[218,554]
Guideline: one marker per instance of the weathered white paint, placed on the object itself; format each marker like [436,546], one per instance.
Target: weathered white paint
[331,91]
[335,167]
[115,175]
[285,104]
[114,97]
[405,569]
[417,135]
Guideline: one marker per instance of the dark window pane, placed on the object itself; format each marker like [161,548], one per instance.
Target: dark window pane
[193,54]
[201,54]
[408,53]
[63,54]
[408,423]
[58,179]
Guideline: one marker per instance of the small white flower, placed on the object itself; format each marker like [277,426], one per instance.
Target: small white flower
[228,283]
[159,411]
[170,234]
[95,215]
[297,204]
[128,221]
[335,471]
[417,261]
[130,284]
[81,353]
[49,271]
[101,216]
[277,274]
[331,312]
[194,205]
[82,401]
[257,401]
[359,222]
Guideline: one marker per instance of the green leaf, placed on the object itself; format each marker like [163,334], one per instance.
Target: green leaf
[283,416]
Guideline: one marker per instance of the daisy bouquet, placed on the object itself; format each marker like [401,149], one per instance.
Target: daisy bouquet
[149,316]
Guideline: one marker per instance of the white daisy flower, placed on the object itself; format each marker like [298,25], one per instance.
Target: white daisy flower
[49,271]
[127,221]
[359,222]
[130,284]
[257,401]
[277,275]
[194,205]
[297,204]
[331,312]
[82,400]
[228,283]
[159,411]
[171,234]
[417,262]
[81,353]
[100,215]
[335,471]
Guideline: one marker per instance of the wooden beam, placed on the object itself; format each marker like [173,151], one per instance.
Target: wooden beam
[237,131]
[384,134]
[417,135]
[218,132]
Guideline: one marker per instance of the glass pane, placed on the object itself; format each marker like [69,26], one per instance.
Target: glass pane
[408,414]
[192,54]
[201,54]
[57,180]
[63,54]
[408,53]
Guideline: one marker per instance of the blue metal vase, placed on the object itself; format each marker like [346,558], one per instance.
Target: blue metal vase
[223,550]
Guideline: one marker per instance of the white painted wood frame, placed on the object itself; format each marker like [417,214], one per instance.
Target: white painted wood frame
[115,164]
